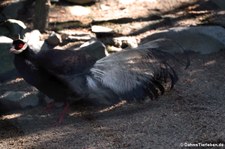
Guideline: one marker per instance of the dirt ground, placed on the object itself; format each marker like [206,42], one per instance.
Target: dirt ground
[193,112]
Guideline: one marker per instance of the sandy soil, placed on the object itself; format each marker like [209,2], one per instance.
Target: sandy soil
[193,112]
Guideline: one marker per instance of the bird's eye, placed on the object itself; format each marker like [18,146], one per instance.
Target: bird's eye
[19,46]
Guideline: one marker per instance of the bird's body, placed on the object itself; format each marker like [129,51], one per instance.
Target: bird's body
[26,65]
[130,75]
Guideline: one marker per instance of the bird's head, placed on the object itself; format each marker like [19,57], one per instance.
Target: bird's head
[18,46]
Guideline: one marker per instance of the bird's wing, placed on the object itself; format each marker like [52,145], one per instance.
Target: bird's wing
[67,66]
[173,49]
[65,62]
[134,74]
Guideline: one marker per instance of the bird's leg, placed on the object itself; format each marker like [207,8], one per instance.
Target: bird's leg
[48,102]
[49,106]
[65,111]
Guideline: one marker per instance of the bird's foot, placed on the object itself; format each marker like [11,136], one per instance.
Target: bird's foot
[62,114]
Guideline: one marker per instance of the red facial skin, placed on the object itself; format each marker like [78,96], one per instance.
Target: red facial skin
[19,46]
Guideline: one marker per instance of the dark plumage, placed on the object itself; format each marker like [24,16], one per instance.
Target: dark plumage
[27,66]
[73,75]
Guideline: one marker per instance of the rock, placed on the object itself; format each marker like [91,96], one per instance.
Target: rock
[132,1]
[81,1]
[101,29]
[163,44]
[11,10]
[94,48]
[54,1]
[5,40]
[4,31]
[201,39]
[123,42]
[119,43]
[78,10]
[7,70]
[218,18]
[104,7]
[13,28]
[72,38]
[12,100]
[169,46]
[71,35]
[113,49]
[54,39]
[219,3]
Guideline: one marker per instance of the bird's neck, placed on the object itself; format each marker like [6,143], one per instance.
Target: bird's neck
[27,54]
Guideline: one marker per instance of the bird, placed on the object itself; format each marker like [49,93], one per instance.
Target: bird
[68,75]
[25,64]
